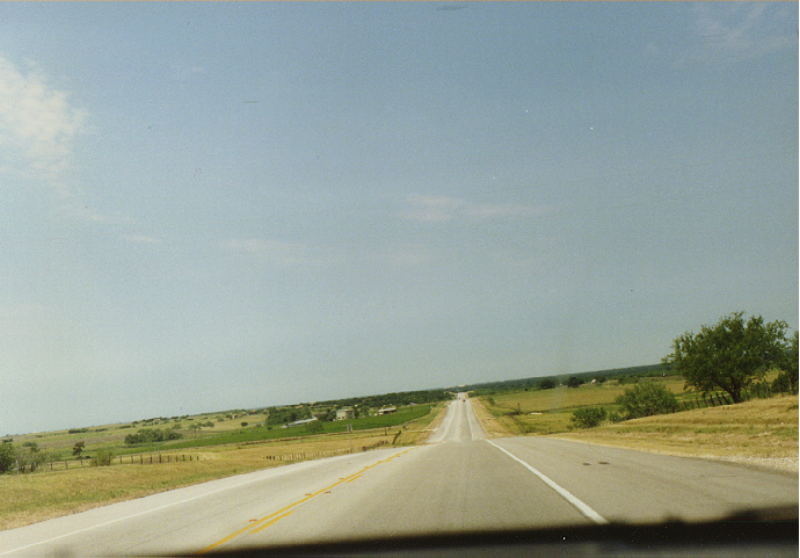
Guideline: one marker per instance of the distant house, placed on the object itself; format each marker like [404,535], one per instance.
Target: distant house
[300,422]
[386,410]
[345,413]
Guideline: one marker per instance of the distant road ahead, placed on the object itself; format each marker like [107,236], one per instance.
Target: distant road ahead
[459,482]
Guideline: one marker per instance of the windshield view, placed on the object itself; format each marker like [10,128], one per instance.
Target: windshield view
[299,273]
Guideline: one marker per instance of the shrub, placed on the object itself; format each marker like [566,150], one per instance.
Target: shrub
[588,417]
[547,383]
[574,382]
[152,435]
[7,456]
[615,417]
[103,458]
[645,399]
[784,383]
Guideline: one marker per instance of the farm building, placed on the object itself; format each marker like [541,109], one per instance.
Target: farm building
[345,413]
[386,410]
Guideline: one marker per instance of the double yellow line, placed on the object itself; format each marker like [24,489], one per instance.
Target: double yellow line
[268,520]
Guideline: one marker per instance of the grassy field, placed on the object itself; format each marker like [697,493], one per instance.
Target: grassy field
[59,444]
[111,436]
[549,411]
[759,431]
[33,497]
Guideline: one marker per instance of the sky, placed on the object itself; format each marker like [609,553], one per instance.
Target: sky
[235,205]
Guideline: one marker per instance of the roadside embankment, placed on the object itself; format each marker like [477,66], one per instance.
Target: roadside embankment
[760,432]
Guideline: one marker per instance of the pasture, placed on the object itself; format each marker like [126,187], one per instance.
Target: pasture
[32,497]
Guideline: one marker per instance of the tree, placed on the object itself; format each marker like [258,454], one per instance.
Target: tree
[645,399]
[547,383]
[103,457]
[78,448]
[7,456]
[588,417]
[730,355]
[787,379]
[574,382]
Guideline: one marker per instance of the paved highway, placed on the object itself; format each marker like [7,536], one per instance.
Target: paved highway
[459,481]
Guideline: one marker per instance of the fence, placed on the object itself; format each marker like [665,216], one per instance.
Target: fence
[138,459]
[304,456]
[717,398]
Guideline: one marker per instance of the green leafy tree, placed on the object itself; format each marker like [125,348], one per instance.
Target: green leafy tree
[730,355]
[787,379]
[647,398]
[574,382]
[588,417]
[31,459]
[103,457]
[547,383]
[78,448]
[7,456]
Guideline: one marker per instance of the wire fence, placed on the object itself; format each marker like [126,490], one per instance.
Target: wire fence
[294,457]
[88,461]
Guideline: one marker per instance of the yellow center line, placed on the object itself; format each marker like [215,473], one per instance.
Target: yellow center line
[268,523]
[271,519]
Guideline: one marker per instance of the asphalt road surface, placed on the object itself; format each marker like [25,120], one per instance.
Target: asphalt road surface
[458,482]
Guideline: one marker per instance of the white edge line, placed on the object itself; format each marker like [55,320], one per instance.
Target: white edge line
[161,507]
[566,494]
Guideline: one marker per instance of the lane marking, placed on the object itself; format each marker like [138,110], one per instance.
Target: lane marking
[145,512]
[566,494]
[268,520]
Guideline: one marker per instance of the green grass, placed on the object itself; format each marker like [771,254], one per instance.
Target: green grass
[58,444]
[549,411]
[403,415]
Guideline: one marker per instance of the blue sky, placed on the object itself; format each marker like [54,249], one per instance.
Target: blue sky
[211,206]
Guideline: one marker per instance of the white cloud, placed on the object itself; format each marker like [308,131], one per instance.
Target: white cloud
[279,252]
[37,125]
[406,256]
[734,32]
[73,209]
[442,208]
[142,239]
[433,208]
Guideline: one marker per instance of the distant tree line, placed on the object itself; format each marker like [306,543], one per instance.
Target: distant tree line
[396,399]
[150,435]
[574,380]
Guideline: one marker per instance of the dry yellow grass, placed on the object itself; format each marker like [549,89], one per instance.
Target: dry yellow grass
[493,426]
[35,497]
[760,431]
[549,411]
[417,431]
